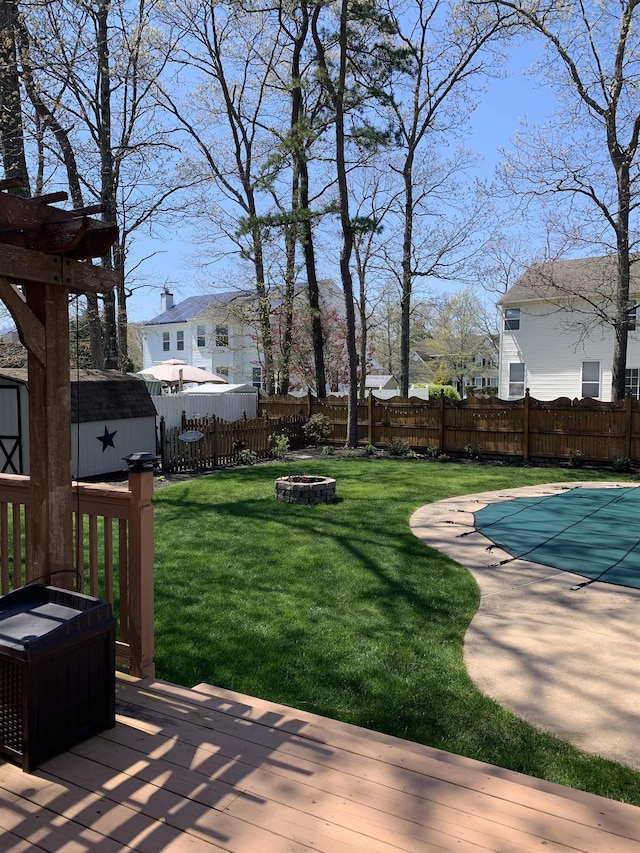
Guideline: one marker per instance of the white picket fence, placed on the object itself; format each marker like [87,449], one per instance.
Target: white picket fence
[229,407]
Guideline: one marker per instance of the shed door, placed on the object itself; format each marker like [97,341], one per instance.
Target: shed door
[10,430]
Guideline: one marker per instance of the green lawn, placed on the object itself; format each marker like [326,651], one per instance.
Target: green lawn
[340,610]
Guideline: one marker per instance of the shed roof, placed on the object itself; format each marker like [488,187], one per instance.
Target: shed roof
[100,395]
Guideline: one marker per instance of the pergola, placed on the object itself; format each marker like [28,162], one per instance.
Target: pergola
[45,254]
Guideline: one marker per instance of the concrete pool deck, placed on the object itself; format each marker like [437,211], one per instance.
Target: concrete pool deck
[567,661]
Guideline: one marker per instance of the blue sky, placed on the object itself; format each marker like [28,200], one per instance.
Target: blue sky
[505,104]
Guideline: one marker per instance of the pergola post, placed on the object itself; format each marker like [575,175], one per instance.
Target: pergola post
[50,440]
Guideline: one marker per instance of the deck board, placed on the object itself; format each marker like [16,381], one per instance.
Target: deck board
[211,770]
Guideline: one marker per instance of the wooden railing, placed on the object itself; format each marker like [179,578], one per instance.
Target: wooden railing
[113,555]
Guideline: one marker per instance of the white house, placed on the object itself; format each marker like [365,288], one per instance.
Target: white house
[216,331]
[209,331]
[554,337]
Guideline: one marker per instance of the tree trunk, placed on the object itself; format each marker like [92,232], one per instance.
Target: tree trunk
[317,334]
[11,127]
[347,232]
[95,330]
[305,231]
[264,306]
[407,276]
[107,179]
[621,325]
[290,240]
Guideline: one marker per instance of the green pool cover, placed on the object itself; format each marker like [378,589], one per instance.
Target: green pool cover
[591,532]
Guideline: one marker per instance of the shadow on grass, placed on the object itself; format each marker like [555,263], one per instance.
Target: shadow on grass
[340,610]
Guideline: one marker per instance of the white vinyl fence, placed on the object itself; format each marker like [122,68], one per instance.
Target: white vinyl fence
[229,407]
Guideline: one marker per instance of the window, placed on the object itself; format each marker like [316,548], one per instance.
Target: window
[222,336]
[165,342]
[632,383]
[256,380]
[591,379]
[511,319]
[200,336]
[180,340]
[516,379]
[631,314]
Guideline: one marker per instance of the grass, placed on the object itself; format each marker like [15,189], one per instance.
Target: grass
[340,610]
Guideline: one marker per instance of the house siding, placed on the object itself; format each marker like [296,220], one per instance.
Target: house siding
[553,353]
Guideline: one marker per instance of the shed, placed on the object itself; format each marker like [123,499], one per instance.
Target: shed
[112,415]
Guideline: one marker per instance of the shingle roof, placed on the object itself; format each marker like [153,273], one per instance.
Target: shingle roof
[375,380]
[194,306]
[100,395]
[558,279]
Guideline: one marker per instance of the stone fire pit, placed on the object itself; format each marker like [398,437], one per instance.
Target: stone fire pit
[305,490]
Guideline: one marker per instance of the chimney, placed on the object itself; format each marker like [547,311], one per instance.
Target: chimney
[166,300]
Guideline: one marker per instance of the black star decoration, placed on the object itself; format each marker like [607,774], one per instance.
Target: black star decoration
[107,438]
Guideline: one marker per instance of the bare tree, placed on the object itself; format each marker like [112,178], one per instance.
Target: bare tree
[89,71]
[501,261]
[450,49]
[225,62]
[584,162]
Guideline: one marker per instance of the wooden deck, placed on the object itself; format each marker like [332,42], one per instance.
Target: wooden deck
[209,770]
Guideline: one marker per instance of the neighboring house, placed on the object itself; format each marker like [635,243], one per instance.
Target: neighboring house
[478,366]
[217,332]
[552,340]
[380,382]
[209,331]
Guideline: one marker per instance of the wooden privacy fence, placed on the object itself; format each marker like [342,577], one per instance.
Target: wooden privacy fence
[113,555]
[527,428]
[221,442]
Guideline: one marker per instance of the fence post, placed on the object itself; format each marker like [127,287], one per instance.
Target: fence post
[163,444]
[442,432]
[141,571]
[370,418]
[214,441]
[627,437]
[525,427]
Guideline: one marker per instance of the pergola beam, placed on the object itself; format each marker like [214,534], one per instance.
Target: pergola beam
[24,265]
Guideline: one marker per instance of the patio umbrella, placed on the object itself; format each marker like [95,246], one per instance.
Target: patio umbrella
[173,372]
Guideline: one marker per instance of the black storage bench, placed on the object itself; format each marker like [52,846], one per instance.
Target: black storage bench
[57,671]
